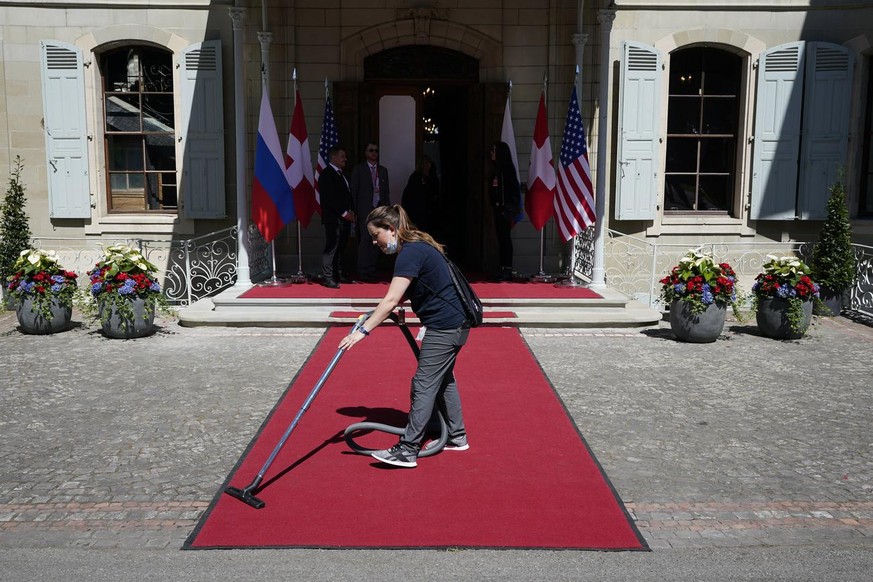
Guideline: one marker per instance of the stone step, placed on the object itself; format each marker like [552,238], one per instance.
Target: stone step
[227,309]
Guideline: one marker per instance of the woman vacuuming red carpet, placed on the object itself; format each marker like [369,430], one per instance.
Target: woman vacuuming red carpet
[420,273]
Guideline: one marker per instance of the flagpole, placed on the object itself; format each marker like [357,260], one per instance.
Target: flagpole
[273,280]
[265,38]
[541,276]
[300,276]
[570,281]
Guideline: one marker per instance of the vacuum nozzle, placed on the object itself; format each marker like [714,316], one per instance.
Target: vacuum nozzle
[246,496]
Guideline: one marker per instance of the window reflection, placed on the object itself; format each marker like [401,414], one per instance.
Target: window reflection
[139,129]
[702,129]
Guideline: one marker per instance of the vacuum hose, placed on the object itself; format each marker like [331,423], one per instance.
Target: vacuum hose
[437,421]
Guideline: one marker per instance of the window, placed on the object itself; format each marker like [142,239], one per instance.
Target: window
[702,130]
[139,130]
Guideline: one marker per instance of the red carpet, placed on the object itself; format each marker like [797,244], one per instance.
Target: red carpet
[527,481]
[484,289]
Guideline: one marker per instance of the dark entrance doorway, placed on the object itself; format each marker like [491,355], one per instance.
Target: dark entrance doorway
[455,123]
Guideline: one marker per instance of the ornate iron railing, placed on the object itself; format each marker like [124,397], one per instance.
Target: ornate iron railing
[200,267]
[189,269]
[862,292]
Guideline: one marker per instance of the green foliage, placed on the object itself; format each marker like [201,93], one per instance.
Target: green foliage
[833,259]
[14,228]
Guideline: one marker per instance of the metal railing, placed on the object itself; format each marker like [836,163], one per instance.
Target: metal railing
[200,267]
[189,269]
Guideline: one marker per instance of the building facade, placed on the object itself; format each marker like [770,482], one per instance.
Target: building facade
[707,120]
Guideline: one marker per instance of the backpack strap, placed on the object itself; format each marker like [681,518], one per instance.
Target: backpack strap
[429,288]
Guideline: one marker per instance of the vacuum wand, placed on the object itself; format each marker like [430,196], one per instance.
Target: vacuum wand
[247,494]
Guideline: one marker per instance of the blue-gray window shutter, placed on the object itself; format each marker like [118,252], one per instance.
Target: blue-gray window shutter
[638,130]
[777,132]
[826,110]
[202,188]
[66,134]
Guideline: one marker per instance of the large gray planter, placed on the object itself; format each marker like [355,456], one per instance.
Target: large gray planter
[8,299]
[699,328]
[831,302]
[120,327]
[32,321]
[772,318]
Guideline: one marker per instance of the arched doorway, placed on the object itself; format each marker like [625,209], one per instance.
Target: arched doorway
[428,100]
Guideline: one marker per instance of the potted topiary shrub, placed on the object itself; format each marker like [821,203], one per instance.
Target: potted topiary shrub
[833,258]
[14,229]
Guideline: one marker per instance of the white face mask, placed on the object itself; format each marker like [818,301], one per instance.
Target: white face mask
[391,247]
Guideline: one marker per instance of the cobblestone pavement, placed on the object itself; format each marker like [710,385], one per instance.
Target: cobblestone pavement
[746,442]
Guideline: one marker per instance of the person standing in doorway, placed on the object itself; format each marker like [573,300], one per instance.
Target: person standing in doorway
[370,189]
[420,195]
[421,273]
[506,203]
[337,215]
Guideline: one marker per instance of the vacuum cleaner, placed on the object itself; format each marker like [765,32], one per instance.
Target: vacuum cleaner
[247,494]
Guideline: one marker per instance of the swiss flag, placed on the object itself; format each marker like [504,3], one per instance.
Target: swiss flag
[541,179]
[298,163]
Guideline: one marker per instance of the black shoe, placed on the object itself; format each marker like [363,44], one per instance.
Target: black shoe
[330,283]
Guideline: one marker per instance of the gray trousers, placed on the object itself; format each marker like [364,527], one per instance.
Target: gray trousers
[434,385]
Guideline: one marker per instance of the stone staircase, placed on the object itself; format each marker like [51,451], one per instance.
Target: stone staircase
[227,308]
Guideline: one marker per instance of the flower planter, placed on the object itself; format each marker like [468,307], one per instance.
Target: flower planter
[772,318]
[119,326]
[30,320]
[700,328]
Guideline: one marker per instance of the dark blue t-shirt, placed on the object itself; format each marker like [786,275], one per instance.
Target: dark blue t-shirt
[427,267]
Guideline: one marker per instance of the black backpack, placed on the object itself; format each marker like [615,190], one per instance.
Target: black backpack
[469,300]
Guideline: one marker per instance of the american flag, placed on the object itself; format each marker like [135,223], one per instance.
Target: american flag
[329,138]
[574,202]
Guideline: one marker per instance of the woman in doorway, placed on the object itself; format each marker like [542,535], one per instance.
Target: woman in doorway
[422,274]
[420,195]
[506,203]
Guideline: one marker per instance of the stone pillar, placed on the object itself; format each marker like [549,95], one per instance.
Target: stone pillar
[243,272]
[598,272]
[265,38]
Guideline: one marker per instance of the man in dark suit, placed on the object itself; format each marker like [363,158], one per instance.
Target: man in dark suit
[337,215]
[370,189]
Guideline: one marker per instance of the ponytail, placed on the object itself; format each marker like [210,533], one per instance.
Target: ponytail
[395,217]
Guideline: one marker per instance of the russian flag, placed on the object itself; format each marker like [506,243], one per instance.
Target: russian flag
[272,198]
